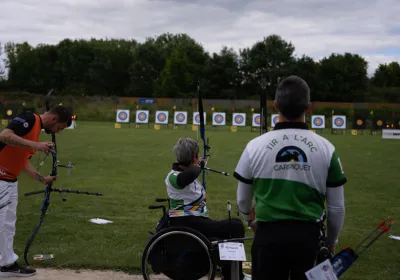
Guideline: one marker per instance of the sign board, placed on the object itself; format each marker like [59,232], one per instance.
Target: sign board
[390,133]
[146,101]
[231,251]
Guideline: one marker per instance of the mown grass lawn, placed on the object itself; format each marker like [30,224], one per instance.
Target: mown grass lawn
[129,165]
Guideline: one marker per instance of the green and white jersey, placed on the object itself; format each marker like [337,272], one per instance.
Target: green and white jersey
[289,169]
[185,201]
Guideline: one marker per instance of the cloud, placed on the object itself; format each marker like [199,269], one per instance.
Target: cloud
[316,28]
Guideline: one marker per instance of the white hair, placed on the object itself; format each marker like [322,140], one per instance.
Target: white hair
[185,149]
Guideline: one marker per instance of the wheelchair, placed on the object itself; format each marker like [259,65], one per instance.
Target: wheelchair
[179,253]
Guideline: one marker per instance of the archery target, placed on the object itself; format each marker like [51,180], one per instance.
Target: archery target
[122,116]
[196,118]
[256,120]
[180,117]
[318,121]
[274,119]
[239,119]
[162,117]
[218,118]
[142,116]
[339,122]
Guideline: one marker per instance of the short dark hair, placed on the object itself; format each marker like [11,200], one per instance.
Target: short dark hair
[64,115]
[292,97]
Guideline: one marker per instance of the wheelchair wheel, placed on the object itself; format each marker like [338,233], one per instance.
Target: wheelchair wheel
[178,253]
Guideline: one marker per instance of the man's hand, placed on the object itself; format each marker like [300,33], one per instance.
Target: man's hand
[45,147]
[331,249]
[49,179]
[253,224]
[203,162]
[252,215]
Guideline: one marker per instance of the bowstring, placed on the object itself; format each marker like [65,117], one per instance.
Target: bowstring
[198,111]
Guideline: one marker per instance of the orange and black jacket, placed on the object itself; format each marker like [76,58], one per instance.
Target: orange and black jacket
[14,159]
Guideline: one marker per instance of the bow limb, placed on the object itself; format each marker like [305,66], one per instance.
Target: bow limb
[202,131]
[263,110]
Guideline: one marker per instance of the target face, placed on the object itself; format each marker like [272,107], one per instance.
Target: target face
[142,116]
[218,118]
[122,116]
[197,118]
[359,122]
[379,123]
[276,119]
[161,117]
[339,122]
[9,112]
[318,121]
[239,119]
[257,119]
[180,117]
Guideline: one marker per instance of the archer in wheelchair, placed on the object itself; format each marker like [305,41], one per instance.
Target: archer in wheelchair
[182,246]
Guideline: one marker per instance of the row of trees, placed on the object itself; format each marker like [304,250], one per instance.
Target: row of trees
[170,65]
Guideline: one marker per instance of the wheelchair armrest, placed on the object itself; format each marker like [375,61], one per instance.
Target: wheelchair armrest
[152,207]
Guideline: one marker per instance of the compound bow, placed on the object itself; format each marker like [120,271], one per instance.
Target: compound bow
[206,146]
[48,188]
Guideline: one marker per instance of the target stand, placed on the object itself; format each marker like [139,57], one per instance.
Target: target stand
[218,120]
[142,118]
[4,122]
[161,120]
[180,120]
[158,126]
[338,131]
[339,124]
[356,132]
[119,124]
[176,126]
[122,117]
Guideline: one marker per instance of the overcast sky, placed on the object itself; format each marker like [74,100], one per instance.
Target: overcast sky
[316,27]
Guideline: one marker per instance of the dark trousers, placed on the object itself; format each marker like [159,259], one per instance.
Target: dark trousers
[220,229]
[284,250]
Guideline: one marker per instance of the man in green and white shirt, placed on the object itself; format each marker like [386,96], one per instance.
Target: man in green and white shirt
[291,172]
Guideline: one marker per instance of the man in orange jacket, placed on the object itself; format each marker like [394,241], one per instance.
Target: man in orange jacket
[18,142]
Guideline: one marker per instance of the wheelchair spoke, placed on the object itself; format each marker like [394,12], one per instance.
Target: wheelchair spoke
[178,254]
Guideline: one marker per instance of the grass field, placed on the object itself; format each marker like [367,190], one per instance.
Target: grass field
[129,166]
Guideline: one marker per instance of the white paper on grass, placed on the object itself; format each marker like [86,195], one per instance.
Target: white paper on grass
[394,237]
[99,221]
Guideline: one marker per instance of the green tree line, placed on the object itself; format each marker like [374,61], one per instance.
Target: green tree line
[169,65]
